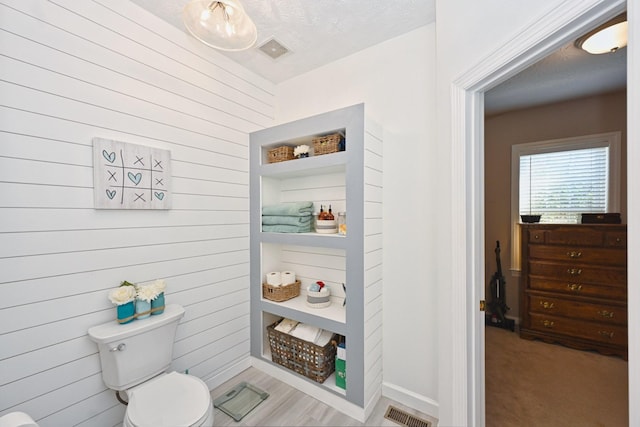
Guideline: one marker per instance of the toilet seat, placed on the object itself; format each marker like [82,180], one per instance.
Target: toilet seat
[169,400]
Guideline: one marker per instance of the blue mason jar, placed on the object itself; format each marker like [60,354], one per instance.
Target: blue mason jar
[143,309]
[157,305]
[126,312]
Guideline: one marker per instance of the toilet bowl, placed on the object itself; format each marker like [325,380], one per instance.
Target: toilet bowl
[17,419]
[169,400]
[135,359]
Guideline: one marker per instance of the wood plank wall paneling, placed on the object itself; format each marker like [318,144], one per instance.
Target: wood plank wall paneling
[71,71]
[373,275]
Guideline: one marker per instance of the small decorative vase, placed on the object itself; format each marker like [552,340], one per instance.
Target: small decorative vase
[143,309]
[126,312]
[157,305]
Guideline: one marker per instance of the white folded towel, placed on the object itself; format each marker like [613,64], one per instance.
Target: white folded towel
[306,332]
[286,326]
[324,338]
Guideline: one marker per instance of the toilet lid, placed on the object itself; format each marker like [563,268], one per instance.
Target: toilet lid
[171,400]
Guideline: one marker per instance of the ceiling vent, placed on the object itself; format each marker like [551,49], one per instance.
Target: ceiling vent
[273,48]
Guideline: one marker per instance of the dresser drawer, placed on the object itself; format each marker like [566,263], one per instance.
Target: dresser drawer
[608,314]
[575,254]
[618,292]
[615,239]
[574,236]
[593,331]
[575,273]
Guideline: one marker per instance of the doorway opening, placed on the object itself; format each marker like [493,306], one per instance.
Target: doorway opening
[524,379]
[566,22]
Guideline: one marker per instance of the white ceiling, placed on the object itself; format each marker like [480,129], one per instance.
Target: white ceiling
[315,31]
[321,31]
[568,73]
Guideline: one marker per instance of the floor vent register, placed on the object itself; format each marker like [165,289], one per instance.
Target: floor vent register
[404,418]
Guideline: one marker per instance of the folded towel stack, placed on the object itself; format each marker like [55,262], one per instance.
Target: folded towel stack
[294,217]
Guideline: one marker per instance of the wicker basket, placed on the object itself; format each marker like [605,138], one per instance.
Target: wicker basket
[282,292]
[280,154]
[301,356]
[326,144]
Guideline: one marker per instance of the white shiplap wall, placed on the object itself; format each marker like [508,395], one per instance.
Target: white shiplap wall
[72,70]
[373,272]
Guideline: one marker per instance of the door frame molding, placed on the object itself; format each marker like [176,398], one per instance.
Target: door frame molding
[559,26]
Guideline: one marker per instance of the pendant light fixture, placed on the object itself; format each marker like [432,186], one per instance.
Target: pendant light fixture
[607,38]
[220,24]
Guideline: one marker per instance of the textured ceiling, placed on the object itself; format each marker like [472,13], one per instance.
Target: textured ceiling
[318,32]
[568,73]
[315,31]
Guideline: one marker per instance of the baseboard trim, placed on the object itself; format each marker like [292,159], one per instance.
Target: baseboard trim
[412,400]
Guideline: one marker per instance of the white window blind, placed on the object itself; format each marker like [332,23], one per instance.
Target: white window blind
[561,185]
[562,178]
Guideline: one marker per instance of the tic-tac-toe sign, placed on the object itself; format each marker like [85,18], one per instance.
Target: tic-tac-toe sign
[130,176]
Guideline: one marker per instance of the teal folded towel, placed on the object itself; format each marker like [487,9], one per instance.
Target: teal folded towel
[282,228]
[289,209]
[286,220]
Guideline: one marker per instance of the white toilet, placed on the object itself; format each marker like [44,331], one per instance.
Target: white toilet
[135,358]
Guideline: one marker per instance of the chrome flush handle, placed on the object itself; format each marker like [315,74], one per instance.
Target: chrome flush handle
[120,347]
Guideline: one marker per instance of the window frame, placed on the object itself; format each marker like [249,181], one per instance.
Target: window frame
[612,140]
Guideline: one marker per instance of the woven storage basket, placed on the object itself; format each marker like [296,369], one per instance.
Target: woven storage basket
[282,292]
[326,144]
[301,356]
[280,154]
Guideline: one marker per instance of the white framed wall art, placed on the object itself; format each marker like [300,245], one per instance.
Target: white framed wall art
[130,176]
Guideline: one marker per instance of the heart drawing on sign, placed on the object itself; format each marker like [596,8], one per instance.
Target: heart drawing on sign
[111,194]
[159,196]
[135,178]
[111,157]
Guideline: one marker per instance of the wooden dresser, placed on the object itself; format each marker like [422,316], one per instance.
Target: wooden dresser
[574,279]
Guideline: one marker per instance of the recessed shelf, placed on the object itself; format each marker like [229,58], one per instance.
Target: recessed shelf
[350,181]
[328,384]
[332,318]
[326,163]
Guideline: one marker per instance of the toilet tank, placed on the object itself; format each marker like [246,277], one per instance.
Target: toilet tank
[134,352]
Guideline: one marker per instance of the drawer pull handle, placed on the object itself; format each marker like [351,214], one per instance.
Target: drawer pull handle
[574,254]
[547,305]
[574,271]
[607,334]
[548,324]
[574,287]
[605,313]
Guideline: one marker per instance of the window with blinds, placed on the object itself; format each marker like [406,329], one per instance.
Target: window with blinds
[562,185]
[563,178]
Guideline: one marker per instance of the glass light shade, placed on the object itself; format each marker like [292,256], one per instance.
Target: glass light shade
[607,40]
[220,24]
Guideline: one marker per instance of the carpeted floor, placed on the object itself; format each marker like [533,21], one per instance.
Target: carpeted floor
[531,383]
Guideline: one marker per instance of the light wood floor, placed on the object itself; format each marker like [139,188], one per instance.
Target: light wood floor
[286,406]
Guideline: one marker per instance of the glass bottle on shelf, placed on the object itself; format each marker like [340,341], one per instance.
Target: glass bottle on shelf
[330,216]
[342,223]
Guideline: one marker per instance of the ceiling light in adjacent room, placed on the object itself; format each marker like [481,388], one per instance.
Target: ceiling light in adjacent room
[607,38]
[220,24]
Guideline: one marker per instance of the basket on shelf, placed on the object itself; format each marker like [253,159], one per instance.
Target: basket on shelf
[280,154]
[301,356]
[282,292]
[326,144]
